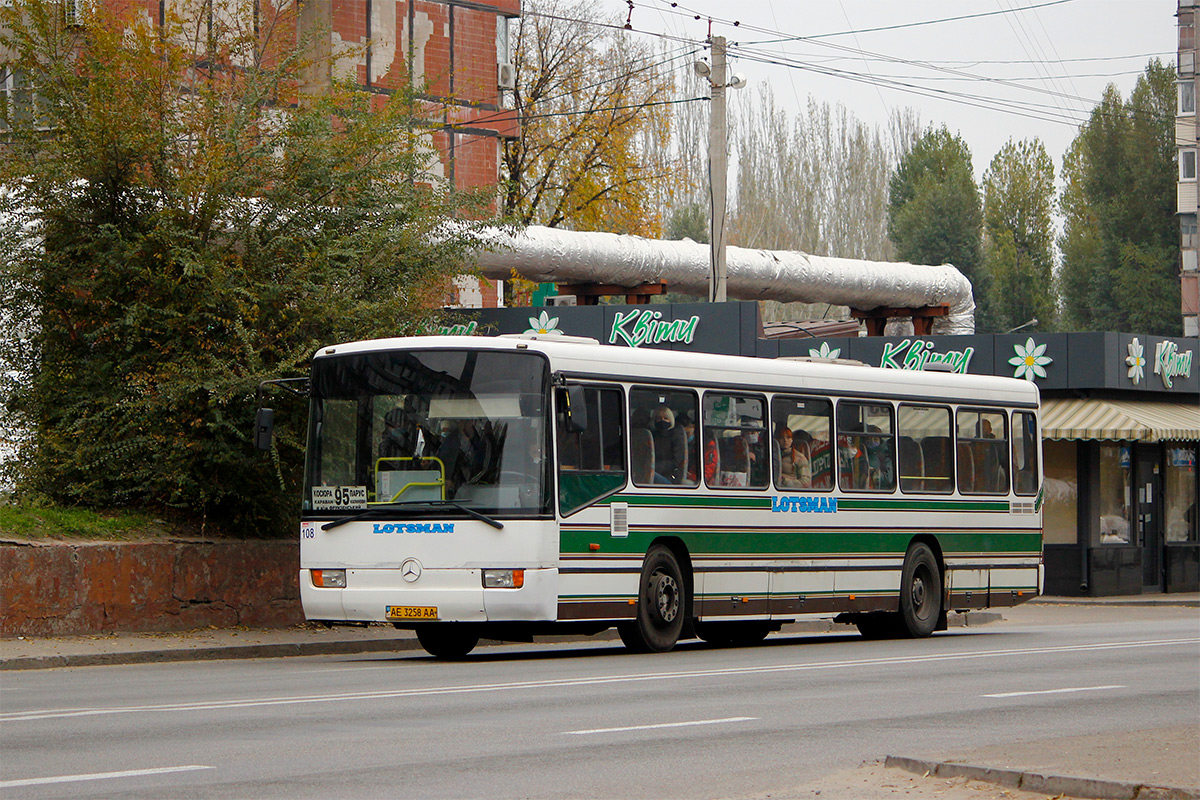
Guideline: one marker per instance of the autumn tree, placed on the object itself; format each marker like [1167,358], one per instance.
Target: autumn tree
[595,111]
[1018,199]
[1120,243]
[188,228]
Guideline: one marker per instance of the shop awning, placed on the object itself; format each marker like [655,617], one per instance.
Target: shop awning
[1137,420]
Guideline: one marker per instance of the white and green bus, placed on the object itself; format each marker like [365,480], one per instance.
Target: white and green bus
[507,487]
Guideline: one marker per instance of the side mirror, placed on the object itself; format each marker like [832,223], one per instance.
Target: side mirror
[264,427]
[576,409]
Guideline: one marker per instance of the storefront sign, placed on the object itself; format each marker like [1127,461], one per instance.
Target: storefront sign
[462,329]
[1169,363]
[915,354]
[637,328]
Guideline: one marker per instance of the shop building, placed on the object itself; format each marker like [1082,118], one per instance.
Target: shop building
[1120,421]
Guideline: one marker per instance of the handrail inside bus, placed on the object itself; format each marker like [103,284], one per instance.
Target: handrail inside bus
[440,483]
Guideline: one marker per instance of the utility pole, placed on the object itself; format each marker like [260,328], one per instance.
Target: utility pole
[717,170]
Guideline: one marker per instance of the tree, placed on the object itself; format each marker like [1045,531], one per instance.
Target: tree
[1018,197]
[1120,239]
[593,107]
[199,227]
[934,213]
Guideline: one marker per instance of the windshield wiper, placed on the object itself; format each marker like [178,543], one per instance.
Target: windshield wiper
[497,524]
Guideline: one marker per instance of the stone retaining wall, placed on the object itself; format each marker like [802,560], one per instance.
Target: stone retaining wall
[71,589]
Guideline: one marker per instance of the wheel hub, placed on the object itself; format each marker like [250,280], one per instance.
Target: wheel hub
[666,594]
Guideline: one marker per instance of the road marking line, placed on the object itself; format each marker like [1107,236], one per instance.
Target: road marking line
[928,658]
[661,725]
[1056,691]
[99,776]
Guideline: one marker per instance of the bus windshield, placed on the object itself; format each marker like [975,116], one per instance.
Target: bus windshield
[416,428]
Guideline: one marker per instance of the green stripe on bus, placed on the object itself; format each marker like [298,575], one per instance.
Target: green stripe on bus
[804,542]
[843,503]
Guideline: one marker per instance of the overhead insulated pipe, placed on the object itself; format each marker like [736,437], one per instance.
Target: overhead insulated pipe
[572,257]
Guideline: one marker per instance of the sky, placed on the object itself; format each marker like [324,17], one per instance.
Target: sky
[1029,68]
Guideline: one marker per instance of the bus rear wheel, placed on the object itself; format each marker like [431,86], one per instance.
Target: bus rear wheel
[661,605]
[447,640]
[920,593]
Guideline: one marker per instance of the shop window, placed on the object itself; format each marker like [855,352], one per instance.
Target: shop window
[735,441]
[866,447]
[802,455]
[1180,494]
[662,442]
[924,449]
[982,452]
[1116,480]
[591,448]
[1061,508]
[1024,454]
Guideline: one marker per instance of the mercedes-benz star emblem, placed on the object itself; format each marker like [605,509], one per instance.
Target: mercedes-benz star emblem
[410,570]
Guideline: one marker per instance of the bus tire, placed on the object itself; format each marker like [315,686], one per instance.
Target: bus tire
[661,605]
[920,593]
[447,640]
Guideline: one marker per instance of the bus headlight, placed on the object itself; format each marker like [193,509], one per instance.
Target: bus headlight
[503,578]
[329,578]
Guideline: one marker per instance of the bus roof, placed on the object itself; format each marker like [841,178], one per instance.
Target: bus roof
[588,359]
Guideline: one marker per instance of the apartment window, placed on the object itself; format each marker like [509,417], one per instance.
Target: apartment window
[1187,97]
[1187,165]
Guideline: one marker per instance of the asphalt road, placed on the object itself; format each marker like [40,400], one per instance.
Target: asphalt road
[574,720]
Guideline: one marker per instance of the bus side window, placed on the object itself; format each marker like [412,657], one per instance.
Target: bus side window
[982,451]
[866,447]
[591,462]
[735,433]
[923,452]
[800,451]
[1024,453]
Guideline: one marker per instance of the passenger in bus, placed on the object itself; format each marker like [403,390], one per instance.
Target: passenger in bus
[801,458]
[879,460]
[402,438]
[783,449]
[688,424]
[670,447]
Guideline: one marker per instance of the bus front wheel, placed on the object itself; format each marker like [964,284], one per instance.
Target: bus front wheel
[920,593]
[661,605]
[447,640]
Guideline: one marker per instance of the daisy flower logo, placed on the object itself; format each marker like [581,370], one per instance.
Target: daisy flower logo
[1136,361]
[544,323]
[825,351]
[1030,360]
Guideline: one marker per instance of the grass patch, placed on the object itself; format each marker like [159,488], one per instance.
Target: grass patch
[79,524]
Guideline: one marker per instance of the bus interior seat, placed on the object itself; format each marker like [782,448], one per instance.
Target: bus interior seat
[912,465]
[966,468]
[641,444]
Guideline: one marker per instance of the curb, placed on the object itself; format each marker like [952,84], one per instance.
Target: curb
[396,645]
[1042,783]
[1145,602]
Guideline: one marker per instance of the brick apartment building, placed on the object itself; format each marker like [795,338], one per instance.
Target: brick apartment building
[1186,143]
[457,49]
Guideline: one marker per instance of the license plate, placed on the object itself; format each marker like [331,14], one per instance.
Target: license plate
[411,612]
